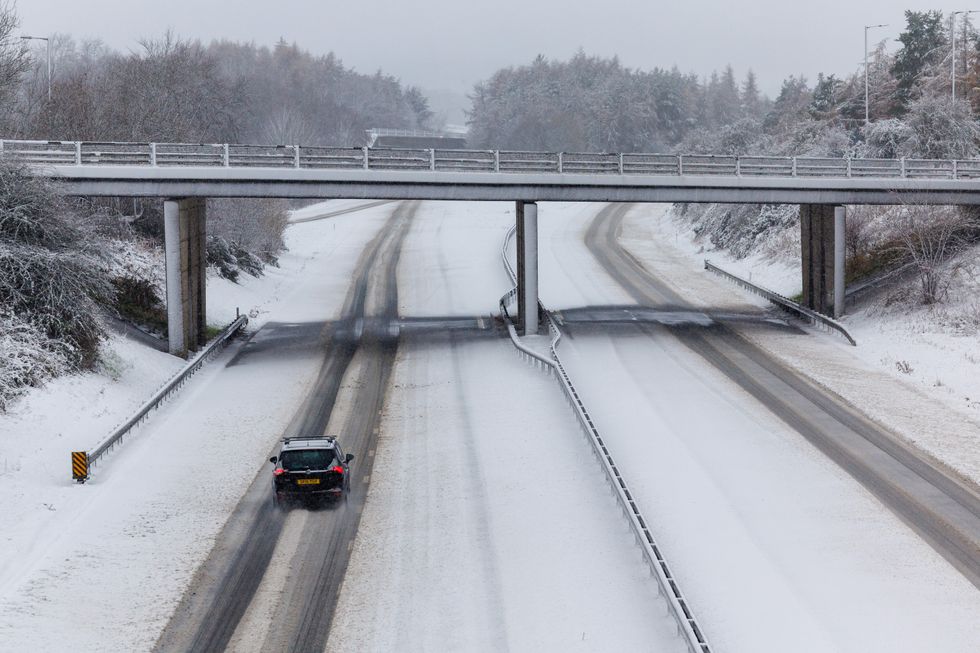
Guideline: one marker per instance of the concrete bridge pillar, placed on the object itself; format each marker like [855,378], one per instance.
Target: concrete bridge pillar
[185,223]
[822,243]
[527,268]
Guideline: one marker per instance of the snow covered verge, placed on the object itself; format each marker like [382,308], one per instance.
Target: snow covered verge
[100,566]
[916,368]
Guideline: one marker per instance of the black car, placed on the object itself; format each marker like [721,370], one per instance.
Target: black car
[310,468]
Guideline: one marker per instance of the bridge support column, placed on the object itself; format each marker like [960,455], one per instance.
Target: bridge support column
[822,243]
[185,222]
[527,267]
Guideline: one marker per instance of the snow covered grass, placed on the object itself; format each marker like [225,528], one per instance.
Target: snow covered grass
[101,566]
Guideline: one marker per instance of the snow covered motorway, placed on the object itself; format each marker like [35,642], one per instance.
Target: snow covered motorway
[478,519]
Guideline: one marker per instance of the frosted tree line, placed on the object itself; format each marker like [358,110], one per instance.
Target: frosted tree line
[596,104]
[66,266]
[592,103]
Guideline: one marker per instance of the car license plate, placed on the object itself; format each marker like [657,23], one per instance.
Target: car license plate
[307,481]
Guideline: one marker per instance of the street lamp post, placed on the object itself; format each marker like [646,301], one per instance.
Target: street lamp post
[867,112]
[48,43]
[952,39]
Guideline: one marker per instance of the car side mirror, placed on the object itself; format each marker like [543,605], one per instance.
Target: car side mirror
[273,459]
[349,458]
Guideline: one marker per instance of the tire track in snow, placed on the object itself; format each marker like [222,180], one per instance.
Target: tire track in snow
[221,592]
[942,509]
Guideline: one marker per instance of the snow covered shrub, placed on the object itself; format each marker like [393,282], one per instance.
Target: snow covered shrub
[873,242]
[247,261]
[136,269]
[886,139]
[742,229]
[231,259]
[931,235]
[52,271]
[941,129]
[28,357]
[219,255]
[813,138]
[138,300]
[741,138]
[255,226]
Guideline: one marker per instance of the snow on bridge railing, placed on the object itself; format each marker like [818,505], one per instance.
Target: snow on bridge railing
[212,155]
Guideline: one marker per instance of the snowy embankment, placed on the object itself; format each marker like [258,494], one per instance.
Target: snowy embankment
[488,524]
[775,547]
[101,566]
[916,368]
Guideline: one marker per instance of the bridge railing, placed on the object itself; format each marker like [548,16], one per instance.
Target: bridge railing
[211,155]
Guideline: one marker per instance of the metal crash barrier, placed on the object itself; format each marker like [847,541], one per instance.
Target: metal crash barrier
[82,461]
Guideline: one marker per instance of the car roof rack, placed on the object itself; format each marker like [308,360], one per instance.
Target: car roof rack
[329,438]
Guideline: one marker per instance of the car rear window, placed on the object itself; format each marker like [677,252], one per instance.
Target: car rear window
[302,459]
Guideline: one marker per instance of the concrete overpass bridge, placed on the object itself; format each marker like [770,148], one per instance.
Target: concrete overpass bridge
[183,175]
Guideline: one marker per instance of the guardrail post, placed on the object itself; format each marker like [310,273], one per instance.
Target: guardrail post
[432,158]
[365,149]
[954,168]
[1,147]
[794,166]
[296,156]
[620,163]
[738,167]
[561,163]
[78,153]
[496,160]
[225,156]
[848,167]
[903,167]
[680,164]
[153,154]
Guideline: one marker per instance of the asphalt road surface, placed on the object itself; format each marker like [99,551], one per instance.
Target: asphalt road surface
[272,579]
[943,508]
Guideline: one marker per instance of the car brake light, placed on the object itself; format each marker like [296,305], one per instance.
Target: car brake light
[279,471]
[337,468]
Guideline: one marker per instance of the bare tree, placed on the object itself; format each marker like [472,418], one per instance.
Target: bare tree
[930,236]
[14,59]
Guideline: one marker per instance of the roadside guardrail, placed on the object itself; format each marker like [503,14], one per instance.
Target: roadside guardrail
[687,625]
[784,302]
[83,461]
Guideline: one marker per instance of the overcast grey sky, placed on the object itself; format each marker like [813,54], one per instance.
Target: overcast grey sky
[443,44]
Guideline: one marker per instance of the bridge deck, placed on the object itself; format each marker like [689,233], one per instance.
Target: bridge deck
[219,170]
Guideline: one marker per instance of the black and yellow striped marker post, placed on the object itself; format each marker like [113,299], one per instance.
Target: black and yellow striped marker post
[79,466]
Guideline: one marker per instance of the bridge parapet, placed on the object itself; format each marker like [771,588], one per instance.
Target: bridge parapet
[218,155]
